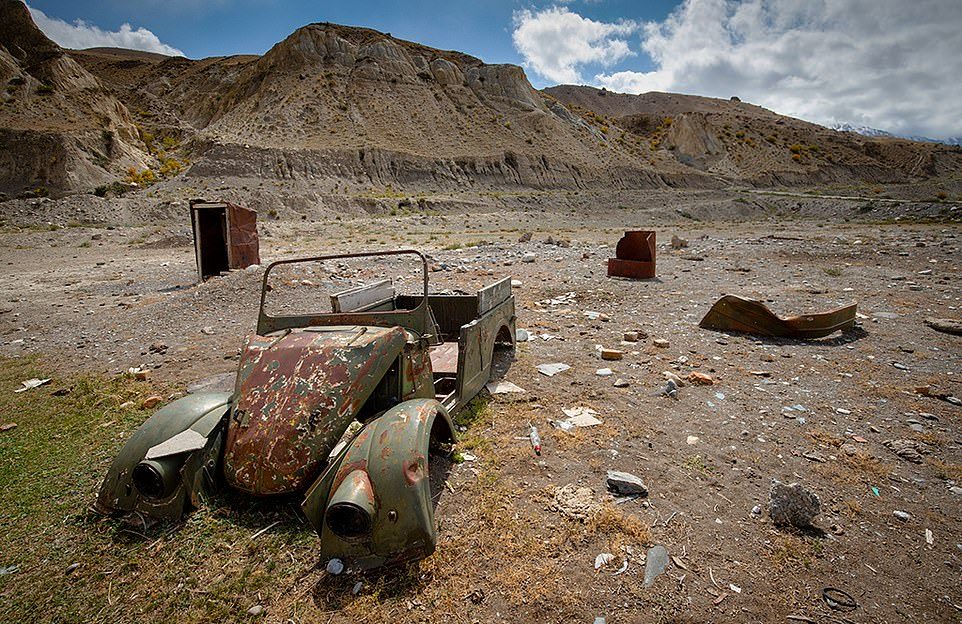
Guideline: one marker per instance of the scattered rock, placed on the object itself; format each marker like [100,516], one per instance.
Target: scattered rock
[632,336]
[661,343]
[909,450]
[904,516]
[150,402]
[655,563]
[792,505]
[604,372]
[625,484]
[947,326]
[670,376]
[157,347]
[335,566]
[612,354]
[621,383]
[7,426]
[678,242]
[71,568]
[700,379]
[256,610]
[208,330]
[525,238]
[528,257]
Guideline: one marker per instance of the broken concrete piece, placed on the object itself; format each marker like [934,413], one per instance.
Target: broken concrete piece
[550,370]
[580,417]
[625,484]
[792,505]
[503,387]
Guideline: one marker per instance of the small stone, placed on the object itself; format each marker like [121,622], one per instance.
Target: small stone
[670,376]
[677,242]
[71,568]
[524,238]
[335,566]
[208,330]
[692,440]
[612,354]
[904,516]
[150,402]
[157,347]
[625,483]
[849,449]
[757,510]
[661,343]
[906,449]
[255,610]
[621,383]
[631,336]
[604,372]
[528,257]
[792,505]
[766,357]
[700,379]
[516,283]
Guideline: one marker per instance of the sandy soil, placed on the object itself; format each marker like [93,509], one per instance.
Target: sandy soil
[96,300]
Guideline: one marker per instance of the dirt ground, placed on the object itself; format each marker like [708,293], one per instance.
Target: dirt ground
[80,301]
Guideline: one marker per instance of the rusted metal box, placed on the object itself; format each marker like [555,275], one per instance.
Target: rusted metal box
[634,256]
[225,237]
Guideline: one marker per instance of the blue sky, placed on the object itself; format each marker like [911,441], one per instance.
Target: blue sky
[887,64]
[481,28]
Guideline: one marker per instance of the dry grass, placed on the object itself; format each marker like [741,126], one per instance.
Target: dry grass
[790,551]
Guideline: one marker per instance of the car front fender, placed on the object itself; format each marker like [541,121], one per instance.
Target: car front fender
[187,434]
[384,472]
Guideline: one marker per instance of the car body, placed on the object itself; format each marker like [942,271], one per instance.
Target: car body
[399,365]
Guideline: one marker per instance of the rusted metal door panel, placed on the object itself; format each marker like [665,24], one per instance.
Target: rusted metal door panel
[243,244]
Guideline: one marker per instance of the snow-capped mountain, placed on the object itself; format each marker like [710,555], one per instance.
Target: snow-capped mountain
[875,132]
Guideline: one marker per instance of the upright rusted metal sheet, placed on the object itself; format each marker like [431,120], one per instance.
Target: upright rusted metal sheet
[634,256]
[244,246]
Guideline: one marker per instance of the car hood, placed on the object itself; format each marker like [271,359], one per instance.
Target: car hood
[296,392]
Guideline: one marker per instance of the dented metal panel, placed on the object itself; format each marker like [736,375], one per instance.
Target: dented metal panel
[733,313]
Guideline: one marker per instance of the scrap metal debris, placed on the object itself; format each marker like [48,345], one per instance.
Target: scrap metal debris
[947,326]
[30,384]
[634,256]
[733,313]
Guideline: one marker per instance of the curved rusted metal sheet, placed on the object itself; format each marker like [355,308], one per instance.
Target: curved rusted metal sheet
[634,256]
[392,450]
[297,391]
[734,313]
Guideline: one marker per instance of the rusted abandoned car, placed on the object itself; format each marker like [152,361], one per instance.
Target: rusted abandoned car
[399,365]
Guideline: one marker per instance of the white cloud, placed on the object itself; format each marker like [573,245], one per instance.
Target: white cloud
[555,41]
[889,64]
[80,35]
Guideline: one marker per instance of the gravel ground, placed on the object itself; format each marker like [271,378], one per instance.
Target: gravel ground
[818,413]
